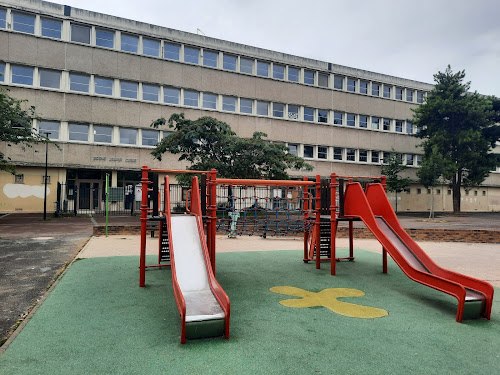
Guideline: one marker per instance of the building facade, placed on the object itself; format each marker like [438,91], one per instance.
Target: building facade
[99,81]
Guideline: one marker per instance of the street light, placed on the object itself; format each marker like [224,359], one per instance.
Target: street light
[46,163]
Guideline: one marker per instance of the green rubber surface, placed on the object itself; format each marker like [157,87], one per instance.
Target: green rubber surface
[98,321]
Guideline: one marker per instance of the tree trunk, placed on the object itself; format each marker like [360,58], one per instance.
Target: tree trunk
[431,214]
[456,184]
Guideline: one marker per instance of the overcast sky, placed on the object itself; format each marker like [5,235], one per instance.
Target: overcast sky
[409,39]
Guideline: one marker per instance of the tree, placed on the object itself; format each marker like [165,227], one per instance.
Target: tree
[208,143]
[394,166]
[462,127]
[15,126]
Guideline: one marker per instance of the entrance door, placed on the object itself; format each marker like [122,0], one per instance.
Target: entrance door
[88,195]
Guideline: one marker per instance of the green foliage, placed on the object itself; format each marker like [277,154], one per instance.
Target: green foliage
[15,126]
[461,127]
[208,143]
[433,167]
[394,166]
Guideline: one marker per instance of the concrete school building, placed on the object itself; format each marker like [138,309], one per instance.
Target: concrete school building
[98,81]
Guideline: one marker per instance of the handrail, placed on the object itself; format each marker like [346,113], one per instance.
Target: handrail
[236,181]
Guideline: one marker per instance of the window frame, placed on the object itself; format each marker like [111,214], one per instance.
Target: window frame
[323,154]
[209,104]
[146,49]
[50,71]
[309,116]
[309,76]
[171,52]
[146,131]
[79,39]
[150,86]
[124,44]
[291,76]
[99,127]
[323,118]
[105,31]
[78,84]
[228,63]
[96,85]
[229,103]
[213,58]
[12,75]
[243,104]
[70,133]
[54,134]
[278,110]
[124,90]
[278,74]
[171,89]
[260,66]
[190,102]
[23,24]
[311,148]
[261,103]
[122,136]
[53,20]
[243,64]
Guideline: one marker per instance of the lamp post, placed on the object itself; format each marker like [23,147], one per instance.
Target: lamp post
[46,163]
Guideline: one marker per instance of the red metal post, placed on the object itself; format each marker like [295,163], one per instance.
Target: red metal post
[213,215]
[144,219]
[318,220]
[383,181]
[306,216]
[333,221]
[351,240]
[384,260]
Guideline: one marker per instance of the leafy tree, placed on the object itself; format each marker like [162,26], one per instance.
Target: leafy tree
[15,126]
[208,143]
[391,169]
[461,127]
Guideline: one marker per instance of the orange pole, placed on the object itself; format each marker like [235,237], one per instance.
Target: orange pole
[318,220]
[213,215]
[306,216]
[144,219]
[333,221]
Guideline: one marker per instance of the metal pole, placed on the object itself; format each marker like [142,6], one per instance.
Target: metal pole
[46,163]
[107,202]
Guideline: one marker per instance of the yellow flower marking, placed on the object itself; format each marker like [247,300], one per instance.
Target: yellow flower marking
[328,298]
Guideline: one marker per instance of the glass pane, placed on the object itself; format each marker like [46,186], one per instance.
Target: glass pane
[209,101]
[130,43]
[337,118]
[51,28]
[308,151]
[293,149]
[363,155]
[323,80]
[278,71]
[293,112]
[308,114]
[375,156]
[399,93]
[246,105]
[171,51]
[191,98]
[309,77]
[337,153]
[151,47]
[375,123]
[409,128]
[23,22]
[3,18]
[363,121]
[262,108]
[80,34]
[293,74]
[104,38]
[50,78]
[150,137]
[22,75]
[2,72]
[351,119]
[278,109]
[322,115]
[363,87]
[103,134]
[399,126]
[128,136]
[262,69]
[351,85]
[210,58]
[351,154]
[191,55]
[78,132]
[171,95]
[322,152]
[375,89]
[338,82]
[150,92]
[386,124]
[409,95]
[129,89]
[229,103]
[246,66]
[387,91]
[78,82]
[103,86]
[51,127]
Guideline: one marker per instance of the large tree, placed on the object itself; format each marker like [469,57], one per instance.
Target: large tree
[16,118]
[208,143]
[462,127]
[391,169]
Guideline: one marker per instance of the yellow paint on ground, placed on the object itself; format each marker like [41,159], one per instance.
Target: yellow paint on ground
[328,298]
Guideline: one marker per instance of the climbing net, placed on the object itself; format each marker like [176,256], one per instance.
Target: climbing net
[264,210]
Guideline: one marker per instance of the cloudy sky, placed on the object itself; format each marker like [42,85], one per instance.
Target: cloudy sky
[410,39]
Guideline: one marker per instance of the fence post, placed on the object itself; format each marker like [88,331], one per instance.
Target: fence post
[75,198]
[58,202]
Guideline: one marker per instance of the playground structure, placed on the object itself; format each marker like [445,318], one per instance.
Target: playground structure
[279,207]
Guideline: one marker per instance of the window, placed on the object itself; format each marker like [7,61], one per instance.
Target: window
[293,74]
[246,65]
[24,23]
[191,55]
[484,193]
[399,126]
[308,152]
[262,108]
[22,75]
[419,191]
[103,86]
[171,51]
[130,43]
[409,159]
[351,154]
[322,115]
[322,152]
[363,121]
[43,179]
[363,156]
[229,103]
[51,28]
[338,82]
[171,95]
[419,160]
[52,127]
[78,132]
[438,192]
[104,38]
[351,119]
[209,100]
[246,106]
[151,47]
[293,149]
[323,79]
[191,98]
[79,82]
[386,124]
[351,85]
[229,62]
[293,112]
[363,87]
[262,69]
[409,127]
[103,134]
[278,110]
[385,157]
[80,34]
[387,91]
[278,71]
[2,72]
[429,191]
[49,78]
[420,97]
[449,192]
[150,92]
[337,118]
[19,179]
[375,123]
[375,156]
[409,95]
[210,59]
[128,136]
[150,137]
[399,93]
[337,153]
[309,77]
[308,114]
[3,18]
[129,89]
[375,89]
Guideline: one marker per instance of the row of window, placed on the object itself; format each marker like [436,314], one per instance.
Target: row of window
[84,83]
[106,38]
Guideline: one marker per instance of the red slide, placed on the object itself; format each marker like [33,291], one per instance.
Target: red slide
[475,297]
